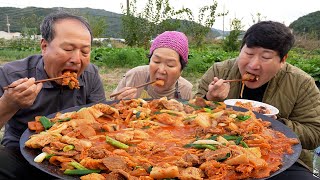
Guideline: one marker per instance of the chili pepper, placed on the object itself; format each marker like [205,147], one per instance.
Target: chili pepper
[80,171]
[46,123]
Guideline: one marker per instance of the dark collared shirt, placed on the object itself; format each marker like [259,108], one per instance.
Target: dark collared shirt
[52,98]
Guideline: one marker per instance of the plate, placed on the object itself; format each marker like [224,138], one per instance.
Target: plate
[274,110]
[29,154]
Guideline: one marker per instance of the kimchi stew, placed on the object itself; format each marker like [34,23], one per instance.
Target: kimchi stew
[160,139]
[70,79]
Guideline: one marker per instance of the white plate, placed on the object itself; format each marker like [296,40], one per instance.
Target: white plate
[274,110]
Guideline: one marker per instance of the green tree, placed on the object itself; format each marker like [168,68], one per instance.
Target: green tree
[203,23]
[98,25]
[138,28]
[232,43]
[31,25]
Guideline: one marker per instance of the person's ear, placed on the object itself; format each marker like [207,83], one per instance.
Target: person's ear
[43,45]
[283,60]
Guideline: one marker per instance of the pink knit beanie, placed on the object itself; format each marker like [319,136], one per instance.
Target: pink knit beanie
[174,40]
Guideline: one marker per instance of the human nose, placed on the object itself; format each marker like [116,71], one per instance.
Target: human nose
[76,57]
[255,63]
[162,69]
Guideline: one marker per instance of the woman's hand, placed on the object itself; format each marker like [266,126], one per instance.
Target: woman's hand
[23,94]
[127,93]
[218,90]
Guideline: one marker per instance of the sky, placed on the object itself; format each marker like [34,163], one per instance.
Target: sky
[283,11]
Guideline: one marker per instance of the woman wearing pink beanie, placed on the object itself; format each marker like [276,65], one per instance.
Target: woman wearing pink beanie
[168,56]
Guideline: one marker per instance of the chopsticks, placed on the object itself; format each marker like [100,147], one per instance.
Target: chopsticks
[145,84]
[236,80]
[39,81]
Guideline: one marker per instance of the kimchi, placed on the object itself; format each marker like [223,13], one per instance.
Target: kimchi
[161,138]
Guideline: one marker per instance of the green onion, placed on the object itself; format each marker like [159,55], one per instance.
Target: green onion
[68,148]
[138,114]
[149,169]
[64,119]
[116,143]
[80,171]
[214,137]
[243,117]
[230,138]
[77,165]
[238,140]
[207,110]
[244,144]
[145,127]
[190,117]
[224,158]
[49,156]
[201,146]
[46,123]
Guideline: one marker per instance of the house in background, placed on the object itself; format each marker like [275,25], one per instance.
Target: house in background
[8,36]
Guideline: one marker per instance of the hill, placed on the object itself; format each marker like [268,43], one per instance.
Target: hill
[16,17]
[309,23]
[32,16]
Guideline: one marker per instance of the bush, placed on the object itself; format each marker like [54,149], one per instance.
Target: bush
[119,57]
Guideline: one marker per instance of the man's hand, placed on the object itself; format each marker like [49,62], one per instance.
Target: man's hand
[23,94]
[128,93]
[218,90]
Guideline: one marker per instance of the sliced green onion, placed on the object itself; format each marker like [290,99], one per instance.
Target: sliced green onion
[46,123]
[116,143]
[68,148]
[80,171]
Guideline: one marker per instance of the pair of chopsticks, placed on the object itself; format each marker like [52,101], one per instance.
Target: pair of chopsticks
[145,84]
[236,80]
[39,81]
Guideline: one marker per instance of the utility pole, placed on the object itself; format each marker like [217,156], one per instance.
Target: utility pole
[223,14]
[8,24]
[128,8]
[223,23]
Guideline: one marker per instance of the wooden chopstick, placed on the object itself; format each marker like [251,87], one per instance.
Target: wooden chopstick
[145,84]
[39,81]
[236,80]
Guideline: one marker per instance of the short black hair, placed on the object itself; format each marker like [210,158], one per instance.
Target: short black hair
[270,35]
[47,25]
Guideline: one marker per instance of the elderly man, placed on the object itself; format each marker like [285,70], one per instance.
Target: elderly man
[66,46]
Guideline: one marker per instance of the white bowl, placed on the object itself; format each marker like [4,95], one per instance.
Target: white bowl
[273,110]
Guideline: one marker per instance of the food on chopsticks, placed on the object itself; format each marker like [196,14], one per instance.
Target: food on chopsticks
[70,79]
[248,77]
[158,82]
[160,139]
[249,106]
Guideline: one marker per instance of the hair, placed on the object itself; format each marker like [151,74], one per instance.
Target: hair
[182,62]
[47,25]
[270,35]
